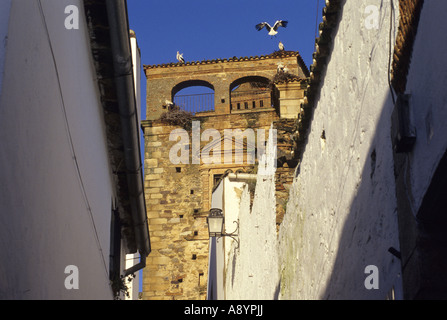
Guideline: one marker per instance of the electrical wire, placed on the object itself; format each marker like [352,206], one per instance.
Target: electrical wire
[70,139]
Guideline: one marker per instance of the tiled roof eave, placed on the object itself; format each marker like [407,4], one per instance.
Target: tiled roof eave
[275,55]
[323,44]
[323,47]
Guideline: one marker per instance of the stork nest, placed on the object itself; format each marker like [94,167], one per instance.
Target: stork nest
[280,53]
[283,76]
[177,117]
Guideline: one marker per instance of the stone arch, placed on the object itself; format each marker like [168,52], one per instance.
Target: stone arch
[252,97]
[164,81]
[245,79]
[190,83]
[194,103]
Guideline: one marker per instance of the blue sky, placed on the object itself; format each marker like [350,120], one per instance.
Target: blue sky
[211,29]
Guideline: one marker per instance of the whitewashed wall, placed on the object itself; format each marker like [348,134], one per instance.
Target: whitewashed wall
[49,218]
[251,271]
[341,216]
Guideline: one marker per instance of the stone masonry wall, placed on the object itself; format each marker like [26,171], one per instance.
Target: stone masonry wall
[178,196]
[178,200]
[222,75]
[177,265]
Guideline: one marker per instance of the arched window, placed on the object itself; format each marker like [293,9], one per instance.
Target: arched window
[249,93]
[194,96]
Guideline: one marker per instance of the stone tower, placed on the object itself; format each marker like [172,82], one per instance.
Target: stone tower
[249,93]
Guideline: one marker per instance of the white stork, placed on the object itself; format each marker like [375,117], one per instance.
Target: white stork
[180,57]
[169,103]
[281,46]
[272,30]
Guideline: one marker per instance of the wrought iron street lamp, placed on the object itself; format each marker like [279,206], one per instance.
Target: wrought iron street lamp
[216,221]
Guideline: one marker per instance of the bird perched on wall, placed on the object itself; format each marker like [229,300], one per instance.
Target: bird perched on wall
[281,46]
[169,105]
[272,30]
[180,57]
[280,67]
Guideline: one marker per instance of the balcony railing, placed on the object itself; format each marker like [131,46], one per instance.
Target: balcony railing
[195,102]
[240,100]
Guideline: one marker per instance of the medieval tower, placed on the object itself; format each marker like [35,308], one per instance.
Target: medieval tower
[249,93]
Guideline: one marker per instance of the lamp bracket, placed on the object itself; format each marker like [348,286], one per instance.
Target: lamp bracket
[234,234]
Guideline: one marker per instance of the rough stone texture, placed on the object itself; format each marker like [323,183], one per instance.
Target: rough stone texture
[178,200]
[291,98]
[287,150]
[178,196]
[176,223]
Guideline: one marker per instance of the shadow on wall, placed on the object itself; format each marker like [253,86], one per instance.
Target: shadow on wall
[371,227]
[370,231]
[378,228]
[419,189]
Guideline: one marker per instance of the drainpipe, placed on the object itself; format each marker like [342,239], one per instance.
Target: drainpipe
[242,176]
[136,267]
[124,80]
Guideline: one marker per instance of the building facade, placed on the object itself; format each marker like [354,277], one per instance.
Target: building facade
[71,205]
[183,164]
